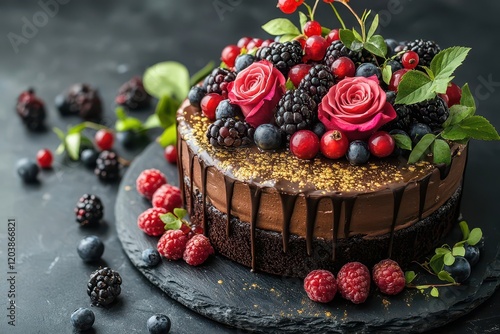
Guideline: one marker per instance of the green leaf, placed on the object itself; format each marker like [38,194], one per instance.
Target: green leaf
[465,229]
[285,38]
[434,292]
[325,31]
[120,113]
[457,114]
[303,20]
[467,99]
[440,85]
[280,26]
[436,263]
[168,137]
[180,213]
[357,36]
[445,276]
[428,71]
[447,61]
[409,276]
[441,251]
[77,128]
[373,27]
[168,78]
[387,73]
[60,133]
[153,121]
[171,222]
[376,45]
[289,85]
[349,39]
[475,236]
[129,123]
[201,74]
[60,149]
[402,141]
[441,152]
[421,147]
[458,251]
[166,110]
[415,86]
[454,133]
[72,144]
[448,259]
[478,127]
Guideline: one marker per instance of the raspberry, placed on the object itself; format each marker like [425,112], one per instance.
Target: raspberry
[353,282]
[389,277]
[172,244]
[167,197]
[149,181]
[150,222]
[198,249]
[320,286]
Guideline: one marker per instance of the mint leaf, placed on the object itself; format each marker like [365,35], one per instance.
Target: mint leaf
[434,292]
[376,45]
[285,38]
[303,20]
[467,99]
[436,263]
[447,61]
[478,127]
[386,74]
[373,27]
[465,229]
[60,133]
[441,152]
[445,276]
[440,85]
[421,147]
[454,133]
[278,27]
[201,74]
[458,251]
[168,78]
[168,137]
[457,114]
[475,236]
[72,144]
[448,259]
[409,276]
[166,110]
[153,121]
[402,141]
[180,213]
[129,123]
[120,113]
[414,87]
[77,128]
[441,251]
[171,222]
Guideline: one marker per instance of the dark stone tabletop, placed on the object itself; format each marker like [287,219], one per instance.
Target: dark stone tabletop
[105,43]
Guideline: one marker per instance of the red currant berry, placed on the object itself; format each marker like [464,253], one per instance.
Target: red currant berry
[298,72]
[287,6]
[312,28]
[396,79]
[381,144]
[315,48]
[229,54]
[410,60]
[343,67]
[304,144]
[44,158]
[170,154]
[254,43]
[334,144]
[209,104]
[243,42]
[454,94]
[333,36]
[104,139]
[267,42]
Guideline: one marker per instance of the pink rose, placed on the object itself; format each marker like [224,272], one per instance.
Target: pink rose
[356,106]
[257,90]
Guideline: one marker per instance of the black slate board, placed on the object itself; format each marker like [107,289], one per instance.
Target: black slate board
[231,294]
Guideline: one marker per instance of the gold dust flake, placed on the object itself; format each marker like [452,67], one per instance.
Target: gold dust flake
[220,281]
[300,311]
[328,314]
[386,303]
[128,188]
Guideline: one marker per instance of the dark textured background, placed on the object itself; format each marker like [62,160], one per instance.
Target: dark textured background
[105,43]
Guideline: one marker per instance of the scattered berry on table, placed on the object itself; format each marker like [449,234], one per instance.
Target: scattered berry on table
[343,67]
[304,144]
[31,110]
[149,181]
[133,96]
[381,144]
[229,54]
[460,269]
[320,286]
[410,60]
[130,138]
[226,110]
[150,257]
[107,166]
[312,28]
[243,61]
[172,244]
[90,248]
[44,158]
[104,139]
[368,70]
[334,144]
[150,223]
[358,152]
[159,324]
[267,137]
[388,277]
[104,286]
[82,319]
[89,210]
[283,55]
[28,170]
[167,197]
[209,104]
[82,100]
[170,154]
[353,282]
[317,82]
[196,93]
[218,80]
[472,254]
[315,48]
[298,72]
[294,112]
[197,251]
[417,131]
[230,133]
[89,157]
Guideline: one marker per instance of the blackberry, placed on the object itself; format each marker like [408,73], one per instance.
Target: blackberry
[218,80]
[31,110]
[402,121]
[82,100]
[431,112]
[104,286]
[107,166]
[317,82]
[337,49]
[89,210]
[283,55]
[295,111]
[133,96]
[230,133]
[426,50]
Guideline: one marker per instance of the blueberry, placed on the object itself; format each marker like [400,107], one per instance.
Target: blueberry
[367,70]
[90,248]
[267,137]
[395,65]
[390,97]
[243,61]
[195,95]
[226,110]
[159,324]
[89,157]
[319,129]
[127,138]
[28,170]
[150,257]
[418,130]
[82,319]
[459,270]
[391,46]
[471,254]
[358,152]
[62,105]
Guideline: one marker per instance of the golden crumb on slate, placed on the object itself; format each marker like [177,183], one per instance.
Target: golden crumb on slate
[220,281]
[272,168]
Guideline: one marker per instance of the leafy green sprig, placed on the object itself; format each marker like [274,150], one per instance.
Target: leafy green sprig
[174,220]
